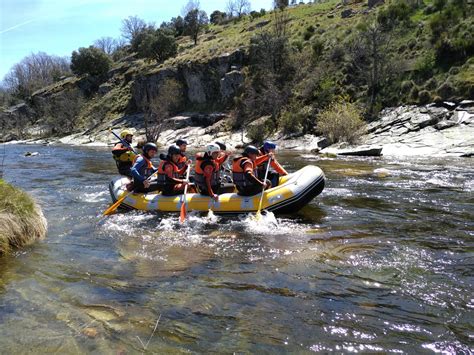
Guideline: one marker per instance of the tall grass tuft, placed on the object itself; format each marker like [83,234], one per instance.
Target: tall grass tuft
[21,220]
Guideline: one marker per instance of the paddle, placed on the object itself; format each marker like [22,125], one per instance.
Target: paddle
[123,141]
[182,214]
[258,216]
[112,208]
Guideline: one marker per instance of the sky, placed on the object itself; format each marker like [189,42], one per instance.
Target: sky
[57,27]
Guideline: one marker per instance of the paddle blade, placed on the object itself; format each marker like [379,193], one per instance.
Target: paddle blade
[112,208]
[258,216]
[182,214]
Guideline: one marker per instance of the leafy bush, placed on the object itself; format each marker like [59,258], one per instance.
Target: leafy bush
[158,46]
[424,97]
[309,32]
[341,121]
[90,61]
[425,65]
[406,86]
[394,14]
[317,48]
[257,133]
[295,118]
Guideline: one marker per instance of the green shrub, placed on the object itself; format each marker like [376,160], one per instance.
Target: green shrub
[406,86]
[394,14]
[92,61]
[258,132]
[424,97]
[341,122]
[431,84]
[294,119]
[425,65]
[446,91]
[414,94]
[309,32]
[158,46]
[317,48]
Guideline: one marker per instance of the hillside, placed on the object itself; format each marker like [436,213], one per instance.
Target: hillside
[282,70]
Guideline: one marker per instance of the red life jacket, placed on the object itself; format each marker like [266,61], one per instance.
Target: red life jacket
[163,178]
[238,173]
[181,161]
[200,179]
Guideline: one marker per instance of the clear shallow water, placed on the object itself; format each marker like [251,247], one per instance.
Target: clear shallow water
[381,261]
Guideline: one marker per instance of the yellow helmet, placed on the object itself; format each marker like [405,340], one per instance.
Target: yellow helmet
[125,133]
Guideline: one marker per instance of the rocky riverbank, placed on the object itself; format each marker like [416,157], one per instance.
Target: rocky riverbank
[443,129]
[21,220]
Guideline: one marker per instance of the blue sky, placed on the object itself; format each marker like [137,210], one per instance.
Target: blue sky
[58,27]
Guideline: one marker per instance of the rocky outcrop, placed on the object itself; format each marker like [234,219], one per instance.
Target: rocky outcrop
[442,129]
[210,84]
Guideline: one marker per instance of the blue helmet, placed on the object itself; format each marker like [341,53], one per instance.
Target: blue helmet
[267,145]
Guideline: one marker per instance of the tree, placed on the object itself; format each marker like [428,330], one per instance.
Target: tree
[280,4]
[158,46]
[34,72]
[140,36]
[217,17]
[131,26]
[371,61]
[237,8]
[107,44]
[61,112]
[190,6]
[160,108]
[194,22]
[91,61]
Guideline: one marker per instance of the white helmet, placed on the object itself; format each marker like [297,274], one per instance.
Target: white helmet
[211,148]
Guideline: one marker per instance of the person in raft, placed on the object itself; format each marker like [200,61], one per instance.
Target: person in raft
[183,161]
[266,151]
[123,154]
[169,179]
[244,172]
[208,172]
[143,168]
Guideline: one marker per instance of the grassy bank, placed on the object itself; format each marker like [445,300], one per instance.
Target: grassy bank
[21,220]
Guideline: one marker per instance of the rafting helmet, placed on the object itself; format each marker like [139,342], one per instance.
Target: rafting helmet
[181,142]
[149,146]
[267,145]
[250,149]
[211,148]
[221,145]
[173,149]
[125,133]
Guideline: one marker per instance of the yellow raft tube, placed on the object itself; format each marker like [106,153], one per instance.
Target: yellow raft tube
[292,193]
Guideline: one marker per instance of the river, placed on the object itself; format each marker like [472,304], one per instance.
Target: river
[381,261]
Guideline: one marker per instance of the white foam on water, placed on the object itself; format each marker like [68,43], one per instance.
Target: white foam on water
[94,197]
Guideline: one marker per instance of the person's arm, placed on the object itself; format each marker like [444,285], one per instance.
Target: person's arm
[208,171]
[169,175]
[278,168]
[261,159]
[249,173]
[135,169]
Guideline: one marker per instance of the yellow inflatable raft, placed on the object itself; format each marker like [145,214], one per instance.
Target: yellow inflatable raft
[293,192]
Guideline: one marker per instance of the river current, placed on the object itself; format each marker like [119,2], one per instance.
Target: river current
[381,261]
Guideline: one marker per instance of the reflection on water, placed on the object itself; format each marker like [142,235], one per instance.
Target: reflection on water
[380,262]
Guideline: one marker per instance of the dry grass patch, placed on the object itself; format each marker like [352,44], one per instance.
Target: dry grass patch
[21,220]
